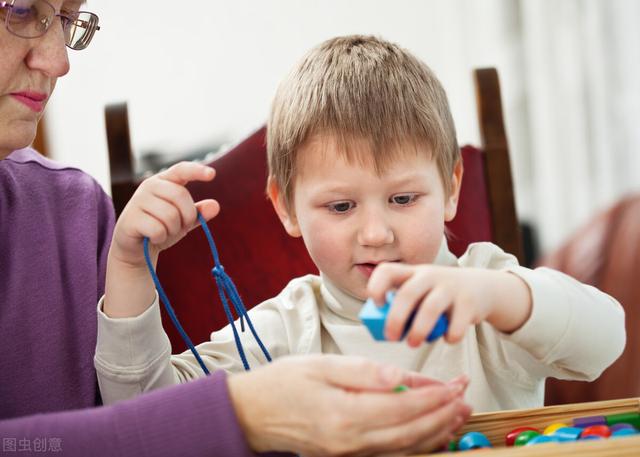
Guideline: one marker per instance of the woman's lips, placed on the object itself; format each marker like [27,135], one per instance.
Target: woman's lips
[33,100]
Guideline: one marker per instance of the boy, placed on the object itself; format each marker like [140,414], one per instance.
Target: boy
[364,165]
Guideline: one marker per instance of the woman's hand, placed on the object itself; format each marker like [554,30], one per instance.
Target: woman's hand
[468,295]
[162,210]
[337,405]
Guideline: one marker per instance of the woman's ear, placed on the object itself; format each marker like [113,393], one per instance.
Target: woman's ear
[287,217]
[451,205]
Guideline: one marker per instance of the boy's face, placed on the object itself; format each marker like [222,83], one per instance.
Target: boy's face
[351,219]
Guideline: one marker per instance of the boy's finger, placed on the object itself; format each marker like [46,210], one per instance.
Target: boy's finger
[178,196]
[432,306]
[184,172]
[150,227]
[208,208]
[460,320]
[165,212]
[408,297]
[387,276]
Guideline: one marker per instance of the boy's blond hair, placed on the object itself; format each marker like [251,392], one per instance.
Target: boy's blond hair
[360,87]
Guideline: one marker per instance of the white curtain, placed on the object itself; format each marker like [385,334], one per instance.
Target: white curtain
[581,90]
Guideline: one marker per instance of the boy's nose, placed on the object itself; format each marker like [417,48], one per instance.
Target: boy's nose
[375,231]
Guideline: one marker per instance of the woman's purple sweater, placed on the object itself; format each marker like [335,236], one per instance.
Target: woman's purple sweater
[55,229]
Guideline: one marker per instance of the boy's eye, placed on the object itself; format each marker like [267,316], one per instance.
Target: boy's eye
[340,207]
[404,199]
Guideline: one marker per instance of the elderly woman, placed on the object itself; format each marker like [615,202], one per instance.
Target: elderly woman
[55,229]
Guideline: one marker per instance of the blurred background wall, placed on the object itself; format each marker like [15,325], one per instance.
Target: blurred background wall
[202,73]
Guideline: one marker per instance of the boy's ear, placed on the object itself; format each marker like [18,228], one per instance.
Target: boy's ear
[451,205]
[287,218]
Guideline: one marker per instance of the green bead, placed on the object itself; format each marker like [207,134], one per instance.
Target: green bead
[400,388]
[452,446]
[524,437]
[629,418]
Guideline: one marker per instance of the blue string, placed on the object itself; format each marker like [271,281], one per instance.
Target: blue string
[225,286]
[169,308]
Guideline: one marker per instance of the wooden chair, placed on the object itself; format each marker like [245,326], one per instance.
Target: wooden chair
[254,248]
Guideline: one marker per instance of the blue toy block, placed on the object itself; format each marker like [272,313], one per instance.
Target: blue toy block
[374,318]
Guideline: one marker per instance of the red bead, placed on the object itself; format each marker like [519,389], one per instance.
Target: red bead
[596,430]
[512,435]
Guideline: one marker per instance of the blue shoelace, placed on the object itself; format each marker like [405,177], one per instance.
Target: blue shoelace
[226,287]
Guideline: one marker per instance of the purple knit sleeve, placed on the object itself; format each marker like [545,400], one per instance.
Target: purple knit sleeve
[106,222]
[193,419]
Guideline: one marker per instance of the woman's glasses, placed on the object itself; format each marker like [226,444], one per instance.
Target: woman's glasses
[32,19]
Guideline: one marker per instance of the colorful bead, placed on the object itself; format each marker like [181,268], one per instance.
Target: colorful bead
[589,421]
[473,440]
[524,437]
[628,418]
[542,439]
[596,430]
[624,432]
[400,388]
[622,425]
[567,433]
[511,436]
[553,427]
[590,437]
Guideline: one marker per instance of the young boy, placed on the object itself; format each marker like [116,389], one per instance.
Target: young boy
[364,165]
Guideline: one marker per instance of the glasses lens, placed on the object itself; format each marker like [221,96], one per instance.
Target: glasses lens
[29,18]
[79,29]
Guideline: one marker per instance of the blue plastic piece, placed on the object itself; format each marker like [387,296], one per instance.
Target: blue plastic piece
[624,432]
[542,439]
[375,317]
[473,440]
[567,433]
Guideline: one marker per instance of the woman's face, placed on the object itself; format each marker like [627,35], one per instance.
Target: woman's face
[28,75]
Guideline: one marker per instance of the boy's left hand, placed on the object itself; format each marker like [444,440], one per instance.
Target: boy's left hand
[468,295]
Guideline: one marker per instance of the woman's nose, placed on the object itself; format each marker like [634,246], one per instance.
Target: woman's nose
[49,52]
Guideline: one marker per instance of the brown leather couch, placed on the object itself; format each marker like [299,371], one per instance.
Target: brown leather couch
[606,254]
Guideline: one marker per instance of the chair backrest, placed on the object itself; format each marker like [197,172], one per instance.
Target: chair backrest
[254,248]
[605,253]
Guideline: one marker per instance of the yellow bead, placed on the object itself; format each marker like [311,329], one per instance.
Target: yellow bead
[553,427]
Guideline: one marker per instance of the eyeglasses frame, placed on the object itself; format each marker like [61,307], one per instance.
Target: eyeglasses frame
[49,20]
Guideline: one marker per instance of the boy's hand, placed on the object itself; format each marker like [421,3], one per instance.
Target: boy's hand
[162,210]
[468,295]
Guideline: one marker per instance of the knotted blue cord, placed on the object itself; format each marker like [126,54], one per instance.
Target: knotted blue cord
[225,285]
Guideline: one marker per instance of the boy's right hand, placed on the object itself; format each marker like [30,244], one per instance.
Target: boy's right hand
[162,210]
